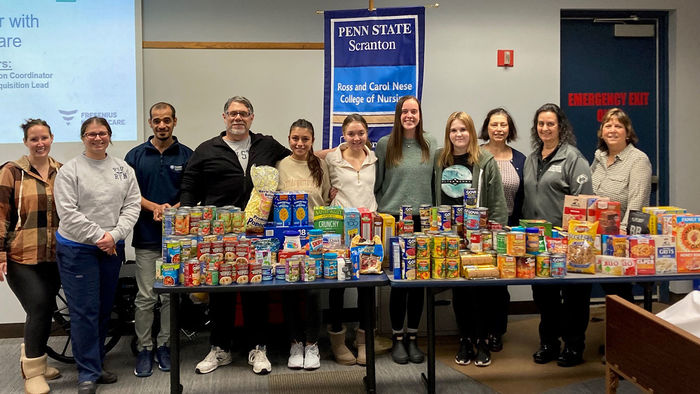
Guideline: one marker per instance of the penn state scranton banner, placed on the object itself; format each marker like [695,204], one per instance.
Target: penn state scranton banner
[372,58]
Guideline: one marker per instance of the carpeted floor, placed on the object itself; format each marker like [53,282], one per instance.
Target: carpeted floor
[512,370]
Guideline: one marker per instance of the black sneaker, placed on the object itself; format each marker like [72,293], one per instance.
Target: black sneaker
[495,343]
[398,351]
[163,357]
[483,355]
[144,364]
[466,351]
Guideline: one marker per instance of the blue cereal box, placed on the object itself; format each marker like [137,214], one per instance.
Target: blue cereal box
[282,209]
[351,226]
[300,209]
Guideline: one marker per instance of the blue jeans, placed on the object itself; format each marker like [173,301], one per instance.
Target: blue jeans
[89,278]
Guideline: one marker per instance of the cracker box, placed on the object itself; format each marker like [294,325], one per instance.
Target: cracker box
[687,233]
[665,254]
[365,223]
[642,249]
[608,215]
[351,226]
[329,219]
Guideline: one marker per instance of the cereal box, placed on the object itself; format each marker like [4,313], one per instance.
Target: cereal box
[665,254]
[642,249]
[687,233]
[581,247]
[575,208]
[351,226]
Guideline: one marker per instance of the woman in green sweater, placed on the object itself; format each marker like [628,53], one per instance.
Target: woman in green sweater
[404,172]
[461,164]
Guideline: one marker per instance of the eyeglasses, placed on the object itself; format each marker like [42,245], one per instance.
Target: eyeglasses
[242,114]
[93,135]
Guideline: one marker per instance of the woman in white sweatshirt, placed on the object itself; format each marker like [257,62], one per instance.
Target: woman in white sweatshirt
[351,167]
[98,202]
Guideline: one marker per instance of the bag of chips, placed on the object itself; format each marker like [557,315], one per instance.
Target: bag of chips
[265,179]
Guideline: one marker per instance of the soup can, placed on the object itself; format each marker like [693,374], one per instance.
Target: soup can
[542,267]
[472,218]
[470,198]
[406,212]
[424,211]
[557,265]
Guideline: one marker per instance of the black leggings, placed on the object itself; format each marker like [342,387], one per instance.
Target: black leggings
[335,305]
[403,301]
[36,287]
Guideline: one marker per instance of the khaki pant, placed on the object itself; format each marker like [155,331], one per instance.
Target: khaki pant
[146,299]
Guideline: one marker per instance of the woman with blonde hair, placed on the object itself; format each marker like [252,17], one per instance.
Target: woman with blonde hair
[461,164]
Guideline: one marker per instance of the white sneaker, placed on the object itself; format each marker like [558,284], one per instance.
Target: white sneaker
[258,359]
[217,357]
[312,360]
[296,356]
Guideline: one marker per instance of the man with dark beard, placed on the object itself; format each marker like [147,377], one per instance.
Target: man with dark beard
[158,164]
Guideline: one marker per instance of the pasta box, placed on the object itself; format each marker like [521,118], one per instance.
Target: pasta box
[641,248]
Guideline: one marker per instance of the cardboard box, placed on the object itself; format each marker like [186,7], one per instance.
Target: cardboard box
[351,226]
[686,230]
[365,223]
[577,208]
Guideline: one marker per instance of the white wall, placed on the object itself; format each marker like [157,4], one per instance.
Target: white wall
[460,72]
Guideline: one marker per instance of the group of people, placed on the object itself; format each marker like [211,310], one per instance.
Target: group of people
[99,199]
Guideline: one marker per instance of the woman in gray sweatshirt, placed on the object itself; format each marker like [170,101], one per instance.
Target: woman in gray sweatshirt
[98,201]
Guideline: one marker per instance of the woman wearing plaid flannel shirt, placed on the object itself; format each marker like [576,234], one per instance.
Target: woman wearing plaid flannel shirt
[28,221]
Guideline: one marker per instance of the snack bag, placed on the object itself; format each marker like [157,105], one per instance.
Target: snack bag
[371,254]
[265,180]
[581,248]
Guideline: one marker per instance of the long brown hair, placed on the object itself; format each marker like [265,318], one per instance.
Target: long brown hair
[447,157]
[361,120]
[312,161]
[394,149]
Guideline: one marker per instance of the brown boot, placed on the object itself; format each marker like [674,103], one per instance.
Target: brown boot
[342,354]
[33,370]
[51,372]
[360,343]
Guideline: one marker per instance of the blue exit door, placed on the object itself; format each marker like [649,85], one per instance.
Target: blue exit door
[618,59]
